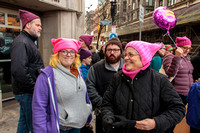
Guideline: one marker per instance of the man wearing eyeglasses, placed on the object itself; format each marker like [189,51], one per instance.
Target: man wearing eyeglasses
[100,75]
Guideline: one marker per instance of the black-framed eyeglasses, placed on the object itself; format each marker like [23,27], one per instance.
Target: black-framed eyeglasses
[114,50]
[81,40]
[66,52]
[130,55]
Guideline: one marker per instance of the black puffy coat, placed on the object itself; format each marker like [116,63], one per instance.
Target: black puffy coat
[26,63]
[148,95]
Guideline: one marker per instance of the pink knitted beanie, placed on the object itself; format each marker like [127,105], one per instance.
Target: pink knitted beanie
[145,49]
[181,41]
[26,17]
[87,39]
[63,43]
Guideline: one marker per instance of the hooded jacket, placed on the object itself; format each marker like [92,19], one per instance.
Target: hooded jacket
[44,105]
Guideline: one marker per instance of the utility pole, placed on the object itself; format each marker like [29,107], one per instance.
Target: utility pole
[113,10]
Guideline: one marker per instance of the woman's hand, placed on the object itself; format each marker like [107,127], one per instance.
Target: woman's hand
[178,52]
[87,124]
[197,80]
[146,124]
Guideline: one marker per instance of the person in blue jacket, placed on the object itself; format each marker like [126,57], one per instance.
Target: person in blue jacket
[156,61]
[86,58]
[193,111]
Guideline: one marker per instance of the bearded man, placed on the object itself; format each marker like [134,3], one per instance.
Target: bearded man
[26,63]
[100,75]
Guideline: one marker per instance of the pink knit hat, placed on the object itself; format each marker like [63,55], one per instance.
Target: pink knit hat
[26,17]
[145,49]
[87,39]
[181,41]
[63,43]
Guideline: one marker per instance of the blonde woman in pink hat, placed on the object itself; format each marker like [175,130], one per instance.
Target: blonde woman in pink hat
[139,99]
[60,96]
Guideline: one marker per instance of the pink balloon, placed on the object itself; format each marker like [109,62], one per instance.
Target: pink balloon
[164,18]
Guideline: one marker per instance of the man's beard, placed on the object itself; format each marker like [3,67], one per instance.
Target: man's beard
[34,33]
[109,60]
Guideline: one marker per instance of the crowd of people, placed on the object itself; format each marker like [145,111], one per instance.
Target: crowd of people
[132,87]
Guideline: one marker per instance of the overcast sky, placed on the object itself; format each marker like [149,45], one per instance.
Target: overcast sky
[88,4]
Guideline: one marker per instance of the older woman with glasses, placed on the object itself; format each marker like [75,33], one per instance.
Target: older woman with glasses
[180,67]
[139,99]
[59,99]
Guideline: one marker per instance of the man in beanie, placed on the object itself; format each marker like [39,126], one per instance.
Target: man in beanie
[139,99]
[100,75]
[86,58]
[87,40]
[26,63]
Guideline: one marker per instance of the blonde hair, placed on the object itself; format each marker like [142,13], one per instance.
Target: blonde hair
[54,60]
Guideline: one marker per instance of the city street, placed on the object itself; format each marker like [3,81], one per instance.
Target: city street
[8,123]
[9,120]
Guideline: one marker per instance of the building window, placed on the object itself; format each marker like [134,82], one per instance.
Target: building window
[160,2]
[170,2]
[133,16]
[148,10]
[2,18]
[13,20]
[133,5]
[9,29]
[149,2]
[124,6]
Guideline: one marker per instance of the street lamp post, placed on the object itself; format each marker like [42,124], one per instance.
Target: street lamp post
[113,10]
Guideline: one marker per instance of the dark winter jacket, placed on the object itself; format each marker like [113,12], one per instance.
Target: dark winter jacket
[148,95]
[95,58]
[26,63]
[196,64]
[98,78]
[182,69]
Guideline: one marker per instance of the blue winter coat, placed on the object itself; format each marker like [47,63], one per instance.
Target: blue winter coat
[193,111]
[84,70]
